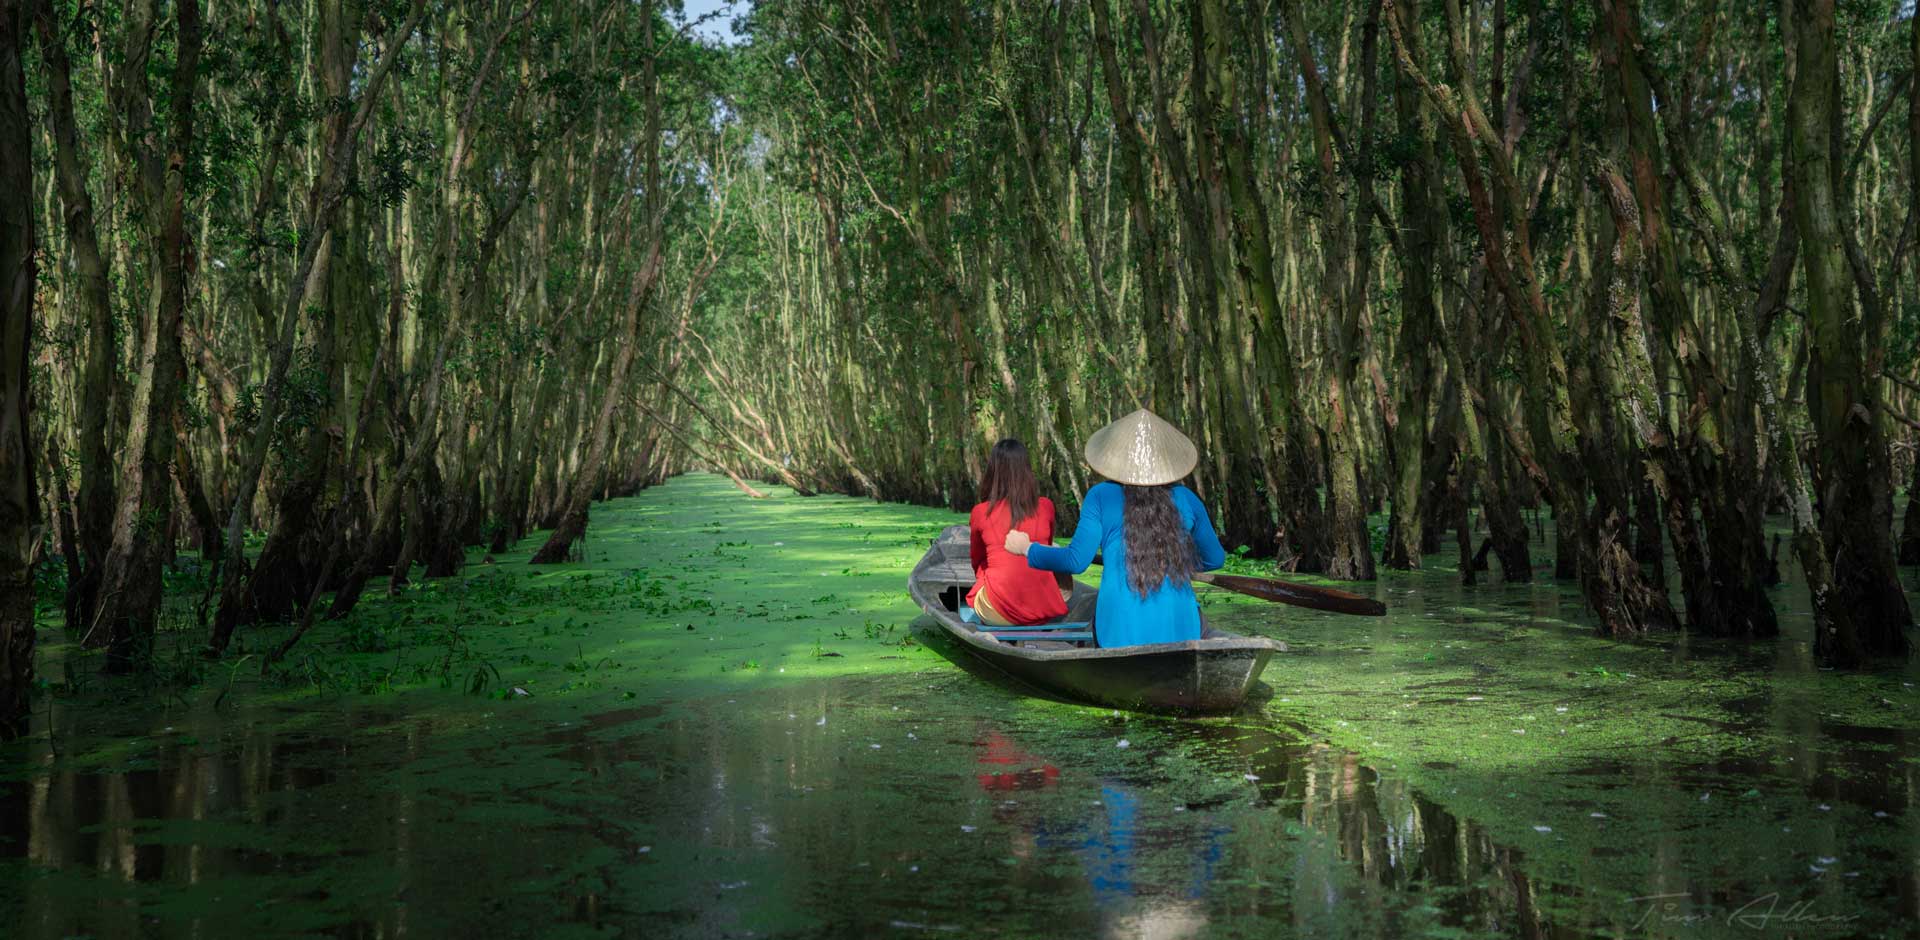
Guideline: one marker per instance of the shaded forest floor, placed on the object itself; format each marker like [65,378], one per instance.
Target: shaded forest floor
[730,721]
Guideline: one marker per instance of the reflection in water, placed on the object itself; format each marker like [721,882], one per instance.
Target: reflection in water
[178,815]
[850,808]
[1107,844]
[1009,768]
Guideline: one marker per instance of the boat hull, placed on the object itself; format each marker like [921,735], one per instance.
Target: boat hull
[1209,675]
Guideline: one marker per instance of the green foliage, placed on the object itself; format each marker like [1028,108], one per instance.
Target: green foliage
[396,163]
[305,398]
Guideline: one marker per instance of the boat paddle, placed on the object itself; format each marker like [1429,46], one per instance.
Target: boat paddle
[1288,592]
[1299,595]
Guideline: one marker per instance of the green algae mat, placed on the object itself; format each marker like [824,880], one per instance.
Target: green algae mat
[729,721]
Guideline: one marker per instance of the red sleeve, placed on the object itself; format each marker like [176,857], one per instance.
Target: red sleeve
[1042,527]
[977,544]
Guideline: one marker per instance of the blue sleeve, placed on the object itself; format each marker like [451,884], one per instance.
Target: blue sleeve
[1075,557]
[1206,542]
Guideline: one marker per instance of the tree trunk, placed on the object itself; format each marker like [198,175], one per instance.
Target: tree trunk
[1347,265]
[1623,603]
[1507,532]
[193,493]
[98,379]
[19,495]
[1419,318]
[1648,548]
[1910,525]
[1244,515]
[342,130]
[1151,256]
[1443,466]
[1868,611]
[280,580]
[1713,468]
[573,517]
[1910,521]
[130,587]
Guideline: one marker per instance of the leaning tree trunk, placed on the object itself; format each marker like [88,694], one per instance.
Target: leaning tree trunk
[586,479]
[281,578]
[1868,610]
[573,517]
[93,516]
[18,496]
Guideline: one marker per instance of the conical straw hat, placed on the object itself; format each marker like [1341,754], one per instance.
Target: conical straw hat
[1141,449]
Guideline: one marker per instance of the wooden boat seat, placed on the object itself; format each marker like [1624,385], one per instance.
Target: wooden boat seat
[1061,625]
[1074,638]
[1063,632]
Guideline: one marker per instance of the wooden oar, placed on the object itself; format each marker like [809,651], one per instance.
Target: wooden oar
[1299,595]
[1287,592]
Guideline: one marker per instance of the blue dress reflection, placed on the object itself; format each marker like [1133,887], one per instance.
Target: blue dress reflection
[1109,851]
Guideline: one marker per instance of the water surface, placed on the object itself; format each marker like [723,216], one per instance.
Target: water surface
[739,728]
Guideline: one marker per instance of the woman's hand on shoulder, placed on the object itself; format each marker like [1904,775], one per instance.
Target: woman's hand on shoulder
[1018,542]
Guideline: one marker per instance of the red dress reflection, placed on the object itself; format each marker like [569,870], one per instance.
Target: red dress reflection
[996,750]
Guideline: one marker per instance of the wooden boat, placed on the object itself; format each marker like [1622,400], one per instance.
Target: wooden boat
[1211,674]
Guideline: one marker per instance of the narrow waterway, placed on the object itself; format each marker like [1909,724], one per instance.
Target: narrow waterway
[730,722]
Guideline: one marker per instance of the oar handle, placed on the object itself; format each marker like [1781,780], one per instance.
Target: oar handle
[1309,596]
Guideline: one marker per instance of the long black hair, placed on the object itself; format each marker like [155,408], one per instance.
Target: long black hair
[1159,547]
[1009,479]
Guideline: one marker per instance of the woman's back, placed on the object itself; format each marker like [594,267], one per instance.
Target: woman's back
[1017,592]
[1168,612]
[1005,589]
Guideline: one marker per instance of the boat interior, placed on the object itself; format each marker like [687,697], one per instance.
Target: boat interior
[1073,631]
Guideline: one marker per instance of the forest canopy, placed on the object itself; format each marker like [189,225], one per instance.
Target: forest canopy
[317,296]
